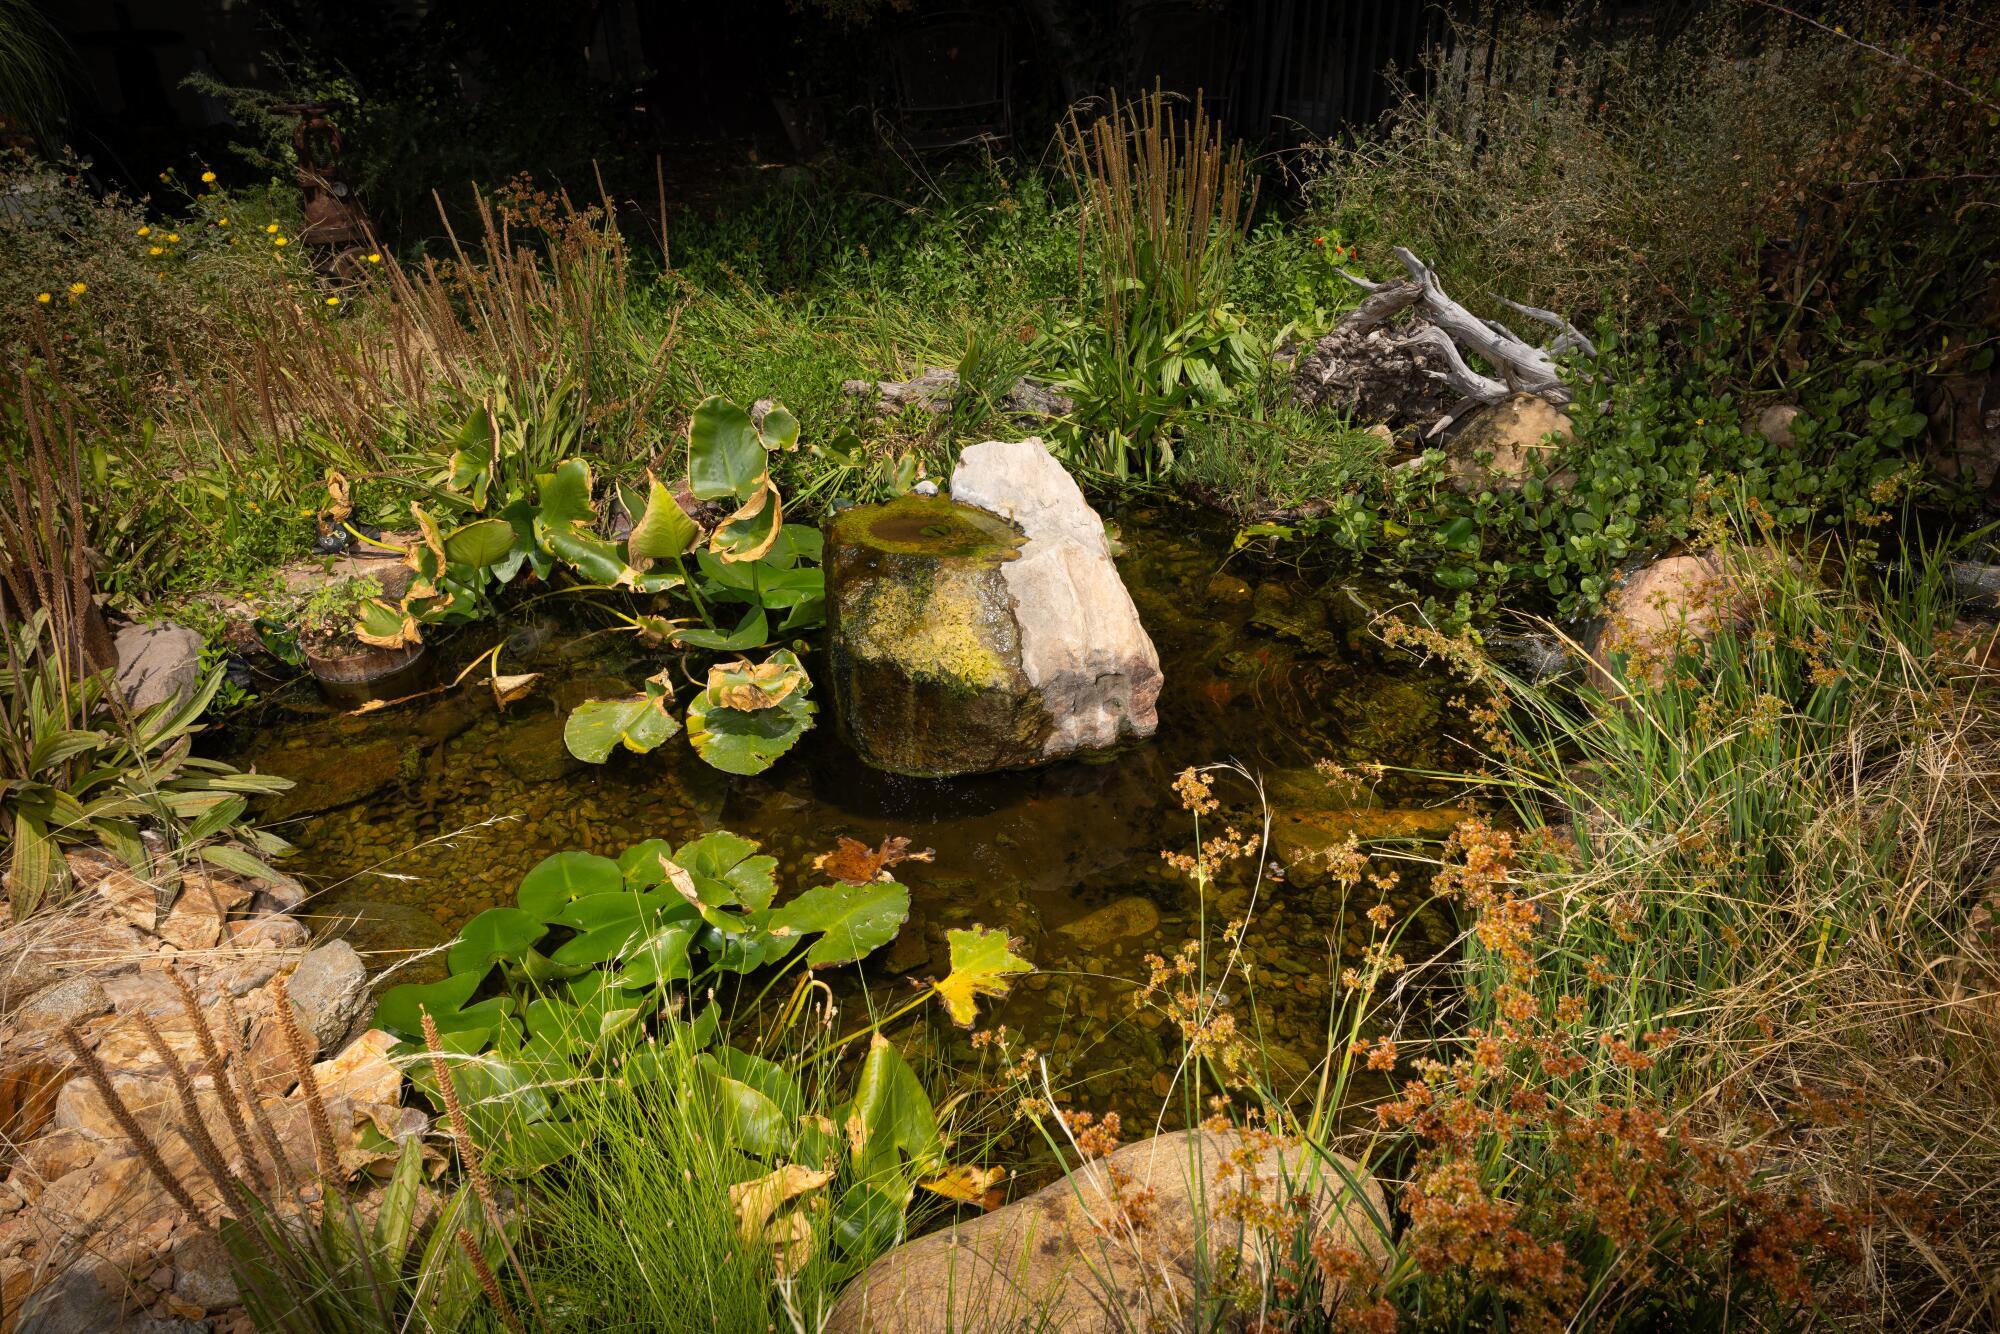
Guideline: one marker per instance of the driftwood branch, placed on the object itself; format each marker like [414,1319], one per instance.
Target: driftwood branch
[1446,327]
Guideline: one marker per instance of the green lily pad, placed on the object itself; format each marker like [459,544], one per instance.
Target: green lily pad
[495,935]
[664,530]
[639,723]
[401,1009]
[725,453]
[480,543]
[732,860]
[564,877]
[853,920]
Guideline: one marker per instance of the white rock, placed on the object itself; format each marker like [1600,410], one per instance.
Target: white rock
[157,662]
[1082,645]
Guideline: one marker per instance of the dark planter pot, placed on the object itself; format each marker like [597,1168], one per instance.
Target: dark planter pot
[351,675]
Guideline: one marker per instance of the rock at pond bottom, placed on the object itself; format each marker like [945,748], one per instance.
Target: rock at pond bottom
[970,639]
[1062,1259]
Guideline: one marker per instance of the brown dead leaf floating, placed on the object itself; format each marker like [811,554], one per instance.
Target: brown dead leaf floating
[858,864]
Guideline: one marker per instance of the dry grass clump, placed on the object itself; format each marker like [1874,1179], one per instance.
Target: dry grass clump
[1635,172]
[1738,972]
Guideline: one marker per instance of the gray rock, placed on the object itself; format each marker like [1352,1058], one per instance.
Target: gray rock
[66,1002]
[1775,424]
[157,663]
[201,1273]
[328,989]
[87,1299]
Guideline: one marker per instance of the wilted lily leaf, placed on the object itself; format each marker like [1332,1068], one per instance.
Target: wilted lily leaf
[507,689]
[382,625]
[969,1185]
[749,742]
[982,960]
[750,532]
[746,687]
[790,1236]
[857,863]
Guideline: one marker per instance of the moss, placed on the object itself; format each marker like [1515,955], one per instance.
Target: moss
[929,526]
[933,628]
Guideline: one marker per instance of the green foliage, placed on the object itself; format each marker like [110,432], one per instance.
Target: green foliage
[77,769]
[1660,450]
[601,967]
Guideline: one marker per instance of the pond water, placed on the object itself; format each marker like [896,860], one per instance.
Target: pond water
[411,819]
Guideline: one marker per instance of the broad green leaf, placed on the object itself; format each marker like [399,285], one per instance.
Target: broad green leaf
[597,559]
[401,1009]
[564,877]
[732,860]
[664,530]
[753,1122]
[565,496]
[780,429]
[750,632]
[983,963]
[480,543]
[641,862]
[659,957]
[890,1119]
[493,936]
[725,454]
[855,919]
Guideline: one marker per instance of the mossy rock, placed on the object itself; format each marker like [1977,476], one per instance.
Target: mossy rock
[924,650]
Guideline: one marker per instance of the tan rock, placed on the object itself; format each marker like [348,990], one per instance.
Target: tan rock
[131,898]
[216,893]
[28,1099]
[362,1071]
[1775,424]
[81,1108]
[1497,448]
[1108,1250]
[1664,610]
[1081,643]
[191,926]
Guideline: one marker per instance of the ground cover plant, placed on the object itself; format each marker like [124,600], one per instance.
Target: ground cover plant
[1714,1042]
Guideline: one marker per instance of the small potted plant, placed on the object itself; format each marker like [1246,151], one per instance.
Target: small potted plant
[313,629]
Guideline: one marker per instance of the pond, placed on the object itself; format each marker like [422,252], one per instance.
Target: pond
[411,819]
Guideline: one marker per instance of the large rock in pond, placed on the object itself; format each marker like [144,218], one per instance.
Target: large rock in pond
[986,631]
[1112,1248]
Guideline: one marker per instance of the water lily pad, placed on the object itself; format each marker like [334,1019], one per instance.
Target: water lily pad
[401,1009]
[731,859]
[564,877]
[659,957]
[853,920]
[752,630]
[983,963]
[496,935]
[750,532]
[749,742]
[639,723]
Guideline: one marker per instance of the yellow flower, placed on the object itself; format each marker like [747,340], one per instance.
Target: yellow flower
[374,258]
[222,222]
[333,301]
[156,250]
[271,227]
[77,289]
[145,231]
[43,297]
[279,240]
[173,238]
[208,178]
